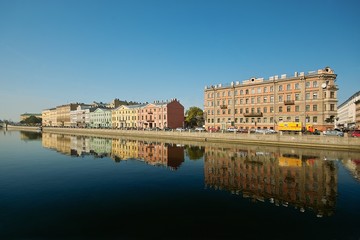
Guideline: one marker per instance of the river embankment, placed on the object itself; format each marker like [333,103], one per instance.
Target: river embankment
[305,141]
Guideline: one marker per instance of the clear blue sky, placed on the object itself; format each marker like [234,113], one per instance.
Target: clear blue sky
[56,52]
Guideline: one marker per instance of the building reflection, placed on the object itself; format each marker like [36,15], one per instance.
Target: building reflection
[152,153]
[295,179]
[353,165]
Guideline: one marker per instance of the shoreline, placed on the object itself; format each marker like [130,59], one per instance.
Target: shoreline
[299,141]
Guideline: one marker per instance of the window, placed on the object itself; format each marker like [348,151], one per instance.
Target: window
[288,108]
[297,97]
[265,99]
[229,102]
[241,101]
[307,96]
[271,109]
[253,91]
[247,91]
[265,110]
[223,94]
[315,95]
[259,120]
[315,84]
[252,100]
[297,86]
[247,101]
[288,119]
[280,109]
[297,108]
[271,119]
[265,89]
[258,110]
[252,110]
[259,90]
[241,92]
[265,120]
[229,93]
[271,98]
[241,120]
[315,119]
[247,110]
[280,88]
[332,107]
[288,97]
[297,119]
[236,92]
[315,108]
[236,111]
[332,94]
[229,111]
[288,87]
[307,85]
[271,89]
[307,108]
[241,110]
[280,98]
[258,100]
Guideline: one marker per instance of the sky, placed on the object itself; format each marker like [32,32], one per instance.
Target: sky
[63,51]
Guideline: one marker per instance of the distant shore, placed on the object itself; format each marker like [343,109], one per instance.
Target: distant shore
[306,141]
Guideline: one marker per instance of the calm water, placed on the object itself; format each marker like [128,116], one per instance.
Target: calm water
[61,186]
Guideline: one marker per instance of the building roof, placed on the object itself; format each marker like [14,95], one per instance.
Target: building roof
[357,94]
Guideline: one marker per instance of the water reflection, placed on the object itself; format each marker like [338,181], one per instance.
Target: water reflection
[156,154]
[29,136]
[304,179]
[297,179]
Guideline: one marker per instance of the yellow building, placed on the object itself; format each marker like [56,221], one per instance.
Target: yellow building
[258,103]
[125,116]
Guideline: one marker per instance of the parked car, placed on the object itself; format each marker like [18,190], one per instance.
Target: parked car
[355,133]
[270,131]
[199,129]
[212,129]
[167,129]
[242,130]
[231,129]
[333,133]
[179,129]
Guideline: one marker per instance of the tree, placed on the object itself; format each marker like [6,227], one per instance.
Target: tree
[32,120]
[194,117]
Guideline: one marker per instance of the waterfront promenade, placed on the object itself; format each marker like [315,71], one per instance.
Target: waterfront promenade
[304,141]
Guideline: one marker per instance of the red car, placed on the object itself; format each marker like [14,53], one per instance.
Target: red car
[355,133]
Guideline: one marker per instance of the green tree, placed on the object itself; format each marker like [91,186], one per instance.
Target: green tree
[32,120]
[194,117]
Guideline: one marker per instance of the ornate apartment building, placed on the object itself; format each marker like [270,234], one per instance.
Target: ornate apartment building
[308,98]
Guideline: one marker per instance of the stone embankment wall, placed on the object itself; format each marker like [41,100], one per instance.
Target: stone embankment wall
[310,141]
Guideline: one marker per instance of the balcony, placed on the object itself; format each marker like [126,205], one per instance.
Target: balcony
[254,114]
[289,102]
[223,106]
[150,120]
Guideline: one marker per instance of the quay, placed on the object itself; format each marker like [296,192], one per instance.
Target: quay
[284,140]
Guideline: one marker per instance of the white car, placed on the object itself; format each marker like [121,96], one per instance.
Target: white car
[179,129]
[200,129]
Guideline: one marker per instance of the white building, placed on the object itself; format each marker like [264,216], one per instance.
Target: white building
[347,112]
[81,116]
[100,118]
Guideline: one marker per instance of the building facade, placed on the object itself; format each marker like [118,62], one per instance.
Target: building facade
[349,113]
[259,103]
[63,114]
[126,116]
[162,114]
[80,117]
[100,118]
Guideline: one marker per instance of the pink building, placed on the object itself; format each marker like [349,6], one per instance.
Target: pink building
[161,114]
